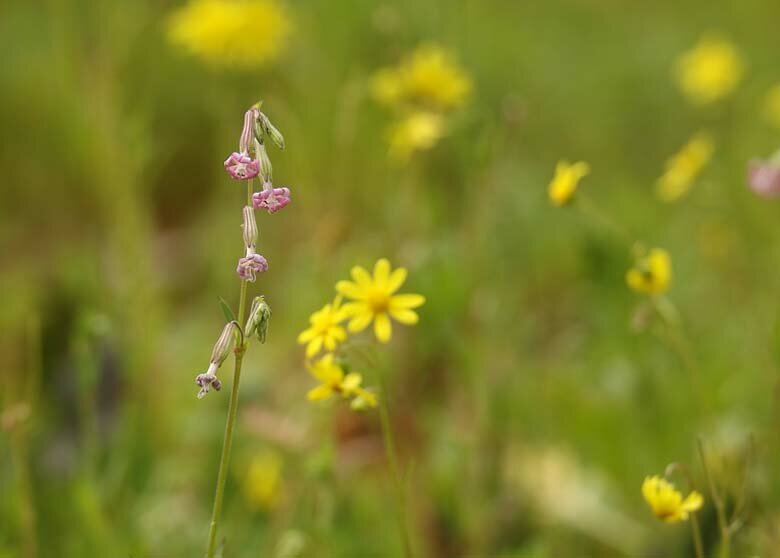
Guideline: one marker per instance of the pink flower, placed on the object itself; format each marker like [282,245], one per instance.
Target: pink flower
[241,166]
[764,178]
[248,132]
[272,199]
[251,264]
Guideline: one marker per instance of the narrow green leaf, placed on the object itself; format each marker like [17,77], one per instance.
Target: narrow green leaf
[229,316]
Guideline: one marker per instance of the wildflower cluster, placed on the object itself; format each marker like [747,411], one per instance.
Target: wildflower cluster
[371,299]
[250,161]
[423,89]
[242,34]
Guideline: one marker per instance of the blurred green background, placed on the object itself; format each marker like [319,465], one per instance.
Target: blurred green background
[528,410]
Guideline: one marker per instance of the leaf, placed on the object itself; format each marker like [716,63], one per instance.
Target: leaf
[229,316]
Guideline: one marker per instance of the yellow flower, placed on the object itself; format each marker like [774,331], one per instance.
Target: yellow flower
[263,480]
[325,329]
[428,77]
[772,106]
[667,503]
[684,167]
[417,132]
[232,33]
[651,273]
[333,381]
[564,184]
[709,71]
[374,299]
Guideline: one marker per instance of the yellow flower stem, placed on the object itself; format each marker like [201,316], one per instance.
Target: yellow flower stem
[676,340]
[392,457]
[224,460]
[593,211]
[720,508]
[695,529]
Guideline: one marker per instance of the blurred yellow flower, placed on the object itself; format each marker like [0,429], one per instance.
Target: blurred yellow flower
[772,106]
[564,184]
[667,503]
[429,77]
[651,273]
[232,33]
[684,167]
[333,381]
[374,299]
[417,132]
[263,480]
[709,71]
[325,329]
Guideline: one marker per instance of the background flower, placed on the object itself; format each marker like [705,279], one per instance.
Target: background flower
[709,71]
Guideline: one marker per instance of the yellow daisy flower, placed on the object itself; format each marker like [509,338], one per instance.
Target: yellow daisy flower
[772,106]
[325,329]
[667,503]
[428,77]
[651,273]
[232,33]
[374,299]
[417,132]
[333,381]
[710,71]
[684,167]
[564,184]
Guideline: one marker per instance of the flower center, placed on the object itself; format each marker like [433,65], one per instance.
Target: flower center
[379,302]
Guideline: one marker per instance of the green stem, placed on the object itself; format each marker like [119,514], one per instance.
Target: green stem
[696,536]
[224,460]
[594,212]
[720,509]
[392,457]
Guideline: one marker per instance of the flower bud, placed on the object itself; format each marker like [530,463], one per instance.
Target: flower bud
[248,133]
[266,169]
[224,344]
[249,227]
[259,319]
[276,136]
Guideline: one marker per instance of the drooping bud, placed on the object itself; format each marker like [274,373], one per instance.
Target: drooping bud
[250,265]
[249,227]
[241,166]
[259,319]
[225,342]
[271,199]
[276,136]
[219,353]
[266,169]
[248,133]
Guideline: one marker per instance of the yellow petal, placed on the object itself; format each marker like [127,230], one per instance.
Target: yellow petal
[396,279]
[349,289]
[313,347]
[360,321]
[404,316]
[382,328]
[306,336]
[693,502]
[402,301]
[351,382]
[361,276]
[381,272]
[319,393]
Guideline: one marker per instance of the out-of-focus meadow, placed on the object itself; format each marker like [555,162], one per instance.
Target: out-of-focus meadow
[537,391]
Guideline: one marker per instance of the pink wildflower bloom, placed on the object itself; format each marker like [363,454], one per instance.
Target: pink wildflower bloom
[271,199]
[241,166]
[764,178]
[251,264]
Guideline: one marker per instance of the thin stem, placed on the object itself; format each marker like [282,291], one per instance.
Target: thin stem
[392,456]
[720,509]
[224,460]
[696,533]
[593,211]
